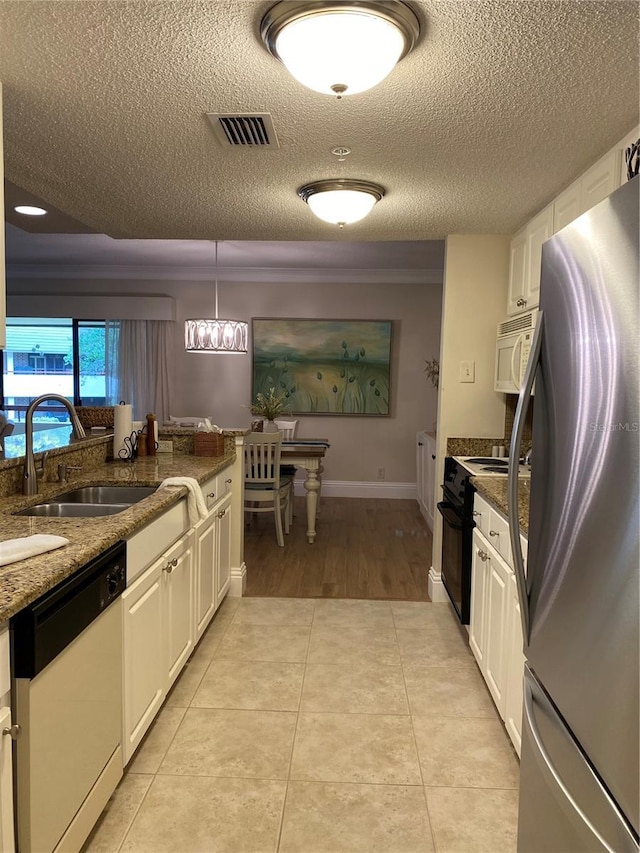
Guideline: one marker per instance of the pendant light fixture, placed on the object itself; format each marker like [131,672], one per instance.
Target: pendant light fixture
[340,48]
[215,335]
[341,201]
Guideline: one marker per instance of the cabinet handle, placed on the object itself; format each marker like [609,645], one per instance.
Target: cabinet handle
[419,444]
[211,495]
[483,556]
[521,302]
[229,481]
[494,533]
[14,732]
[221,513]
[433,455]
[171,564]
[476,512]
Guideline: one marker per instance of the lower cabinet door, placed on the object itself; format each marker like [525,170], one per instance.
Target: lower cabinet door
[515,669]
[7,843]
[143,665]
[223,562]
[498,594]
[205,572]
[177,569]
[478,618]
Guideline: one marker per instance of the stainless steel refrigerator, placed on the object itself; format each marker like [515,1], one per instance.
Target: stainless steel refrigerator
[580,762]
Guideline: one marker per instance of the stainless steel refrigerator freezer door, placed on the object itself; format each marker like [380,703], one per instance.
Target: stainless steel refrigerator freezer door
[583,556]
[566,809]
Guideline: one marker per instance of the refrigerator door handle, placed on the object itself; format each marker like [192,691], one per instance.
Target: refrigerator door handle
[512,485]
[546,758]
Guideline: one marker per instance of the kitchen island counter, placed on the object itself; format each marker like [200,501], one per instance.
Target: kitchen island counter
[25,581]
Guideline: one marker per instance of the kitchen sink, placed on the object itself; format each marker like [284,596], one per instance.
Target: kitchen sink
[73,510]
[104,495]
[89,501]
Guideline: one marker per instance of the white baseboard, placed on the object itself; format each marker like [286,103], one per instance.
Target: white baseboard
[353,489]
[238,581]
[435,587]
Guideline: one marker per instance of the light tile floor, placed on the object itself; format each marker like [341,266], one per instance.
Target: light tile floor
[321,726]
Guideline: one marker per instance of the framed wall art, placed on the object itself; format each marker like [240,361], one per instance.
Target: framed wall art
[324,367]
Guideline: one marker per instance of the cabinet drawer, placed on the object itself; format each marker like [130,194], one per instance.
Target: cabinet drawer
[498,535]
[211,490]
[147,544]
[481,514]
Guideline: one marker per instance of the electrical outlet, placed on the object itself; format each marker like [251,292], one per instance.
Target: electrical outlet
[381,473]
[165,446]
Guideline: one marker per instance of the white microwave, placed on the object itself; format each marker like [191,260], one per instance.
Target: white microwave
[513,346]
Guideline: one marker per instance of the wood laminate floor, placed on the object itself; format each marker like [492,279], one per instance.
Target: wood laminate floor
[365,548]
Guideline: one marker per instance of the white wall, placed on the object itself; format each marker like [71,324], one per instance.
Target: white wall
[220,385]
[476,275]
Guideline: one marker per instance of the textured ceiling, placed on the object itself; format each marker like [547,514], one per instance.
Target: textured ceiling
[500,105]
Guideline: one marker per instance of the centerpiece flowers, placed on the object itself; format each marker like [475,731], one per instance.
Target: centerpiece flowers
[269,406]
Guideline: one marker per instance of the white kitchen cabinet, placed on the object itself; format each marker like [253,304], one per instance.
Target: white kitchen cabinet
[567,207]
[525,262]
[515,668]
[478,617]
[143,665]
[495,629]
[223,557]
[496,652]
[600,180]
[212,560]
[178,571]
[426,475]
[516,298]
[7,841]
[158,637]
[205,583]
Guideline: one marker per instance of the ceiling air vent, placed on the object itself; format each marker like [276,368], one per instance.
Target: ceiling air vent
[244,130]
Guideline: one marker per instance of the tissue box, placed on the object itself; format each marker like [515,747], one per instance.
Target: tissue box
[208,443]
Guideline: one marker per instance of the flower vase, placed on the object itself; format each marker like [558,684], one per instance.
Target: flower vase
[270,426]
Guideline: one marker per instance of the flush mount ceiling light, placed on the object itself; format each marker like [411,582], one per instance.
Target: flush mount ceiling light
[29,210]
[340,48]
[214,336]
[341,201]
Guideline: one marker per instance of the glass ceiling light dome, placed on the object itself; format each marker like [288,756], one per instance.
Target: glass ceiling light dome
[340,48]
[341,201]
[215,335]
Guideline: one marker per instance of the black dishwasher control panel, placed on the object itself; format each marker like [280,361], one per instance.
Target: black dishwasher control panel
[51,623]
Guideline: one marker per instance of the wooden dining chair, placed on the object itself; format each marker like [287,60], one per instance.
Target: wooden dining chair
[265,488]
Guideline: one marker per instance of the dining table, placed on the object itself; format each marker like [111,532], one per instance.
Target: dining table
[307,453]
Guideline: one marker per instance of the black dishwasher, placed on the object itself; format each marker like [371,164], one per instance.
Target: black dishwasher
[66,651]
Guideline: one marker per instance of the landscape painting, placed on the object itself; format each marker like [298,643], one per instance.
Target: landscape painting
[324,367]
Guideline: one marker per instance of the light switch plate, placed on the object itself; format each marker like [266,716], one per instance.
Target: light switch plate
[165,446]
[467,371]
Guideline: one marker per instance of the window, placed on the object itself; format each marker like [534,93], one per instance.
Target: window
[52,356]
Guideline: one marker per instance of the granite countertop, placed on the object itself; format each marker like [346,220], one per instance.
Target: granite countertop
[23,582]
[494,489]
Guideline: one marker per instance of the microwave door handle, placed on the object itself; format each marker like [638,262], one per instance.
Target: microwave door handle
[515,379]
[512,481]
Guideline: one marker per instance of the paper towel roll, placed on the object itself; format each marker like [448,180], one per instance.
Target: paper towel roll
[122,428]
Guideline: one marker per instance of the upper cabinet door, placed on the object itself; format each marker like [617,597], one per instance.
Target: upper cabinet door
[517,274]
[538,230]
[567,207]
[601,180]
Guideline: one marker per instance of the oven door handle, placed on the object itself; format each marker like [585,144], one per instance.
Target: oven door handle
[450,515]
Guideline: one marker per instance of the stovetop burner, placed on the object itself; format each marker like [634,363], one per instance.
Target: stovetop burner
[489,466]
[487,460]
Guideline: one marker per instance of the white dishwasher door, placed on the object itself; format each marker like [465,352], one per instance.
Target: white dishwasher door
[71,718]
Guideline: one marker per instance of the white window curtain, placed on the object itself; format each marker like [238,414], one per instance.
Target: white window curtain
[137,365]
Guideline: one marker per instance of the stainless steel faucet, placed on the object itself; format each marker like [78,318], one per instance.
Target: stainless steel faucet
[30,477]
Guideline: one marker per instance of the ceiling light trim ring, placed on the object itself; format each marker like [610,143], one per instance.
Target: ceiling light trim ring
[285,12]
[330,184]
